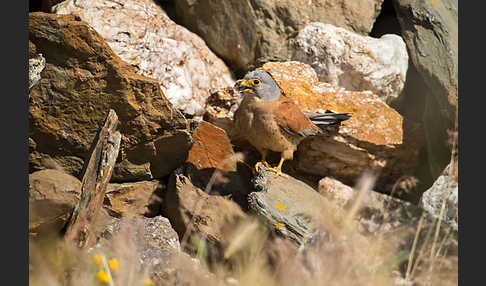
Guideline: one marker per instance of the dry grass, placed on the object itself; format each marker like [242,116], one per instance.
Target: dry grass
[339,255]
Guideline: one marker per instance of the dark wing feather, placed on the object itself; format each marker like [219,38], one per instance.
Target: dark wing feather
[327,118]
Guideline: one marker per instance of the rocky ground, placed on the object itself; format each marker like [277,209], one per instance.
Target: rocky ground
[168,196]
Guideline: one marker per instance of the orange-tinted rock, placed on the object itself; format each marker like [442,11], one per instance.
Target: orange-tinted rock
[372,139]
[372,120]
[211,149]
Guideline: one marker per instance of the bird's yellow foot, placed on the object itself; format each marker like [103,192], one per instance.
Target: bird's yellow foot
[258,164]
[278,172]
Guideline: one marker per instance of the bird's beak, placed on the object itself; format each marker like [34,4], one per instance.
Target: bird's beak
[243,85]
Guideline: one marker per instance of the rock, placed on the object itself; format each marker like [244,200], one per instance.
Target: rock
[164,153]
[53,195]
[381,218]
[199,217]
[372,139]
[139,199]
[247,33]
[352,61]
[81,81]
[288,205]
[36,65]
[46,5]
[149,246]
[147,233]
[378,213]
[430,30]
[212,149]
[142,34]
[336,191]
[221,106]
[444,191]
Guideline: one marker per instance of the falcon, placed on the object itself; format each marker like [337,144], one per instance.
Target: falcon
[269,120]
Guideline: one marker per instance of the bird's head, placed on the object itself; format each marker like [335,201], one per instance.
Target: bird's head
[259,84]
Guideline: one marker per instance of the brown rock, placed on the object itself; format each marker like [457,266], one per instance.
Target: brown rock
[53,195]
[211,149]
[81,81]
[139,199]
[245,33]
[178,59]
[198,216]
[372,139]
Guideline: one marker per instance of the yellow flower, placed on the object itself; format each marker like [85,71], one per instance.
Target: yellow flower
[97,259]
[113,264]
[148,282]
[103,276]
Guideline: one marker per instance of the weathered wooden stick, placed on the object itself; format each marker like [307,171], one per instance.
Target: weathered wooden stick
[97,172]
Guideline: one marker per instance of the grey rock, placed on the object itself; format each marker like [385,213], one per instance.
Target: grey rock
[36,66]
[355,62]
[248,33]
[288,205]
[443,193]
[430,30]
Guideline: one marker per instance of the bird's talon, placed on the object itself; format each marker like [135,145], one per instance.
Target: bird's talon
[257,165]
[282,175]
[278,173]
[264,163]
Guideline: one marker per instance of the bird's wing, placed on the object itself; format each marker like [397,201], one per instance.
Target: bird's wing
[292,120]
[327,118]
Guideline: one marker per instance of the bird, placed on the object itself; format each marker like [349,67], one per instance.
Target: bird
[269,120]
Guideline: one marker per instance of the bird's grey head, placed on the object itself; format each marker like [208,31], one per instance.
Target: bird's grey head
[260,84]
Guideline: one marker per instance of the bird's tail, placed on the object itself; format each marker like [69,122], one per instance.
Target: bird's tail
[327,118]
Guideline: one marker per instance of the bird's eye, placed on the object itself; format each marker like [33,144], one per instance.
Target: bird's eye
[255,82]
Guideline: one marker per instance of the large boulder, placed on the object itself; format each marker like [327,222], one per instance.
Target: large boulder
[246,33]
[142,34]
[53,195]
[352,61]
[82,80]
[287,205]
[430,30]
[374,138]
[150,248]
[199,217]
